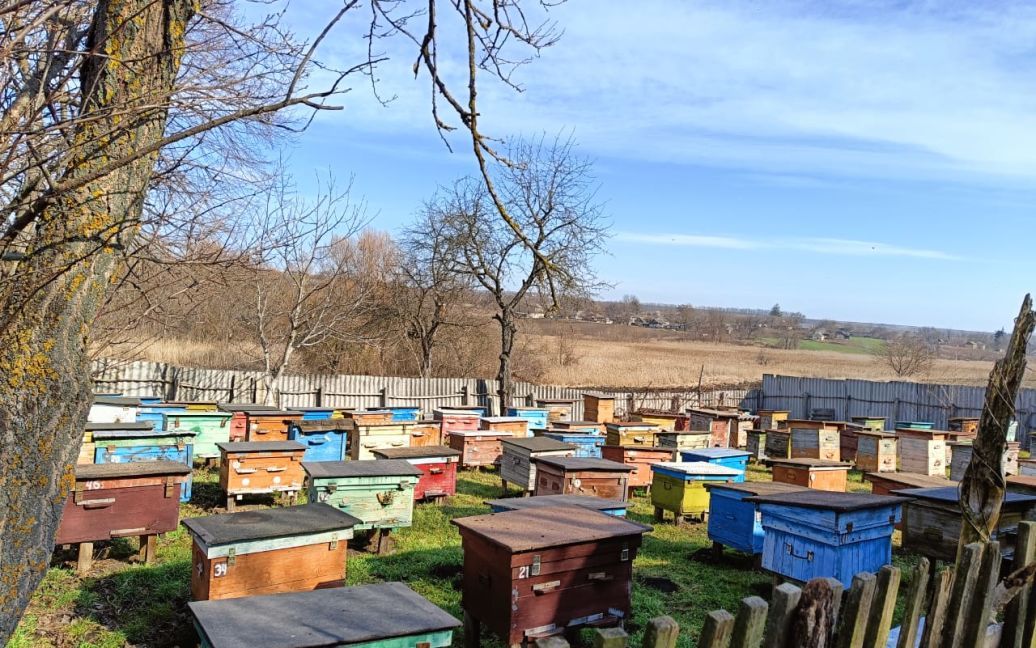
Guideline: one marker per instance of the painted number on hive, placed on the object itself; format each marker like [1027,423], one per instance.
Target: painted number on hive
[219,570]
[523,572]
[93,485]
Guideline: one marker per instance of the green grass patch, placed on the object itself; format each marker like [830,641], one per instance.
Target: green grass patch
[857,345]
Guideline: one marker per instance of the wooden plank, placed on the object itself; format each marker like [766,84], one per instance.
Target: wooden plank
[852,626]
[979,613]
[883,605]
[716,632]
[778,621]
[610,638]
[914,604]
[551,642]
[661,632]
[1017,617]
[942,585]
[750,623]
[816,617]
[964,585]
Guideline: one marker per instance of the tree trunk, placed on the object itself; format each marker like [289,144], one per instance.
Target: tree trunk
[982,489]
[46,387]
[508,333]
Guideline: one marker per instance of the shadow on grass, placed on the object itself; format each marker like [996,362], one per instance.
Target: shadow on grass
[147,604]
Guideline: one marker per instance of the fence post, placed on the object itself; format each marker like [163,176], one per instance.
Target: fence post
[914,604]
[610,638]
[465,395]
[1018,619]
[778,620]
[852,627]
[717,629]
[233,385]
[661,632]
[255,390]
[895,412]
[383,397]
[174,385]
[319,396]
[883,605]
[750,623]
[848,407]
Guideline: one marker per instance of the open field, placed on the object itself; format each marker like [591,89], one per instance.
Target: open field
[120,605]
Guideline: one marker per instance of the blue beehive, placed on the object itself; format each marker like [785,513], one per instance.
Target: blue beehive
[154,417]
[325,439]
[150,400]
[315,413]
[817,534]
[405,414]
[537,417]
[729,457]
[587,445]
[135,442]
[735,523]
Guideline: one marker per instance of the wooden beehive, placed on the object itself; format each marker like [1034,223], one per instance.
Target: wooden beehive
[195,405]
[886,482]
[1011,458]
[922,451]
[680,487]
[630,433]
[559,410]
[778,444]
[640,459]
[875,423]
[812,442]
[538,418]
[384,615]
[455,420]
[756,445]
[848,440]
[239,417]
[113,409]
[876,451]
[590,427]
[727,457]
[270,426]
[683,439]
[134,442]
[1024,484]
[325,439]
[479,448]
[426,433]
[365,439]
[267,551]
[961,456]
[817,474]
[813,534]
[516,425]
[721,423]
[611,507]
[664,421]
[580,476]
[734,522]
[405,414]
[210,428]
[121,500]
[745,422]
[587,444]
[932,520]
[772,419]
[251,468]
[575,570]
[379,492]
[518,461]
[599,408]
[438,466]
[964,424]
[370,417]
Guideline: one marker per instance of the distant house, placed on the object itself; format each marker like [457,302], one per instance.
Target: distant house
[819,335]
[843,334]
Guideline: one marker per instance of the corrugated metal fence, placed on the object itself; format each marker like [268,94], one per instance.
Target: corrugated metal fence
[184,383]
[896,401]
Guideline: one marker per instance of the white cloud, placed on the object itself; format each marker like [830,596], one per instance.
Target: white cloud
[859,90]
[834,246]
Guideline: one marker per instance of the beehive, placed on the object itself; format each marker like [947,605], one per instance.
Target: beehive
[599,408]
[817,474]
[134,442]
[479,448]
[270,426]
[886,482]
[683,440]
[680,487]
[587,444]
[630,433]
[518,461]
[734,522]
[537,417]
[814,441]
[113,409]
[575,570]
[964,424]
[365,438]
[848,440]
[370,417]
[640,459]
[932,520]
[772,419]
[239,417]
[454,420]
[579,476]
[922,451]
[426,433]
[380,493]
[195,405]
[664,421]
[559,410]
[778,444]
[405,414]
[384,615]
[876,452]
[589,427]
[438,466]
[1027,467]
[267,551]
[815,534]
[516,425]
[325,439]
[210,428]
[875,423]
[611,507]
[722,424]
[251,468]
[961,457]
[728,457]
[121,500]
[756,445]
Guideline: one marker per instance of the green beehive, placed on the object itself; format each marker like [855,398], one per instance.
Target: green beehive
[209,428]
[379,492]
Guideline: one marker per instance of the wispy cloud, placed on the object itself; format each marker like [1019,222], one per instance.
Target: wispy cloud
[834,246]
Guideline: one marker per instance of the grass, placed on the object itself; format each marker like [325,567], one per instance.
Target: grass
[858,345]
[119,604]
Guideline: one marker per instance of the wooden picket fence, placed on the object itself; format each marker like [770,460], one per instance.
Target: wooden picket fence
[942,609]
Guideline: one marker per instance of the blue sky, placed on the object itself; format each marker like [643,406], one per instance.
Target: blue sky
[860,161]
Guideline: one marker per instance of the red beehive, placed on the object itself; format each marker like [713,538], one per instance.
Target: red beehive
[438,466]
[582,476]
[538,572]
[640,459]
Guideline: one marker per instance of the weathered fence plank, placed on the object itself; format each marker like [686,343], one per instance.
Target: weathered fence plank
[936,617]
[750,623]
[778,620]
[661,632]
[883,605]
[853,624]
[964,585]
[914,605]
[719,625]
[979,613]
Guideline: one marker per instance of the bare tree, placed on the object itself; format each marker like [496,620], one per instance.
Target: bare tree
[550,195]
[907,355]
